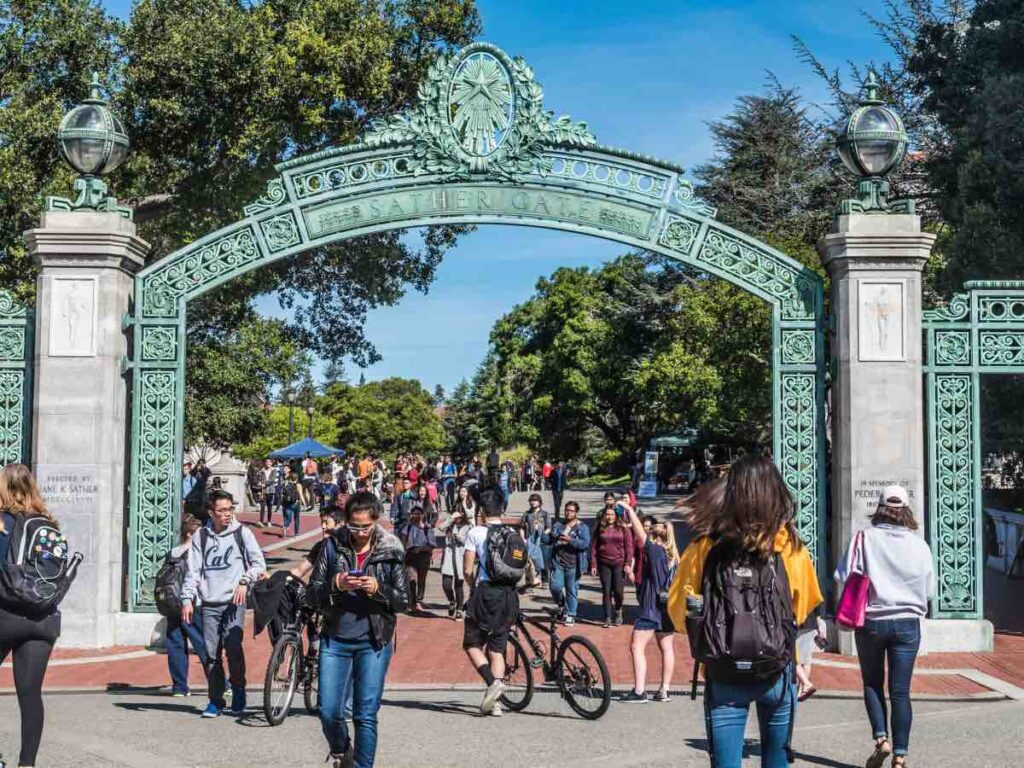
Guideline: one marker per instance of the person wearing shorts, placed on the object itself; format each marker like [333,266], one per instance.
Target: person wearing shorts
[492,608]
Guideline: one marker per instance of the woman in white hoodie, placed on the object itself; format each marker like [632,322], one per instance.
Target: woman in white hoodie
[898,564]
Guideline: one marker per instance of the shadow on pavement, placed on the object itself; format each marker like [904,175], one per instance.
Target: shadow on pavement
[457,707]
[752,749]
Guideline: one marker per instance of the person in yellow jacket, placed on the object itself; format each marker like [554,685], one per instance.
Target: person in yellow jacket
[755,516]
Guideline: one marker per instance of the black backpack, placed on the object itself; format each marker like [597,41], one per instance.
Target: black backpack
[169,581]
[747,631]
[506,555]
[290,493]
[38,569]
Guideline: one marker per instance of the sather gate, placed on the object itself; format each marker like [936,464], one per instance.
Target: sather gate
[477,148]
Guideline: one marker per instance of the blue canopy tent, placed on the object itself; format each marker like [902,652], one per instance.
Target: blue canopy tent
[306,445]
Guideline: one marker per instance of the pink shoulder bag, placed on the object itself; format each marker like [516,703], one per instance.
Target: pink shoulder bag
[853,603]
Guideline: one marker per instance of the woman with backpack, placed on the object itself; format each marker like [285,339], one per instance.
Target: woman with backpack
[749,539]
[179,634]
[29,639]
[901,579]
[660,559]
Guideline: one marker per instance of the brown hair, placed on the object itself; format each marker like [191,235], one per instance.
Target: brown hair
[19,493]
[901,516]
[756,506]
[189,525]
[704,508]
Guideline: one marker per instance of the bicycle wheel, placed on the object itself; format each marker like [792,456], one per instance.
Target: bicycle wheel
[583,677]
[311,690]
[518,677]
[282,678]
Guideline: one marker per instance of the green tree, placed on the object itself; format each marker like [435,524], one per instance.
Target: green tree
[465,436]
[232,371]
[968,74]
[213,94]
[273,433]
[384,417]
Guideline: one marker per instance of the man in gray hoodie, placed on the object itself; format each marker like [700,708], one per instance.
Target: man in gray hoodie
[224,560]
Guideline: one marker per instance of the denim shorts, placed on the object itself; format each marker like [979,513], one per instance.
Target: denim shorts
[649,625]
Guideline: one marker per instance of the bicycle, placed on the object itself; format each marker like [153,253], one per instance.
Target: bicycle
[573,664]
[290,665]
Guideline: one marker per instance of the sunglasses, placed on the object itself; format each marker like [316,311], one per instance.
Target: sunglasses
[360,528]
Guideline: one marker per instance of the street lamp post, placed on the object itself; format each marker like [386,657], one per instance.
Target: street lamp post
[291,417]
[309,411]
[872,143]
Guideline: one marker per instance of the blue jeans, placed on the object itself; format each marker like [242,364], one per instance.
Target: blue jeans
[898,640]
[291,512]
[726,706]
[565,586]
[179,638]
[345,663]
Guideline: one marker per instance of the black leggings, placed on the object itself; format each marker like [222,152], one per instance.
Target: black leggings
[452,586]
[612,584]
[417,566]
[30,659]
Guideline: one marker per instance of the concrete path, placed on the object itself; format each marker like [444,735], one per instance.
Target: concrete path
[433,729]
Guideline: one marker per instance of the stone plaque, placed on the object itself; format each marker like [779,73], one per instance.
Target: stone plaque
[69,489]
[73,317]
[479,199]
[881,321]
[867,493]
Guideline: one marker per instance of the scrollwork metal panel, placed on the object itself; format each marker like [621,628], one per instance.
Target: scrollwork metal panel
[16,333]
[980,331]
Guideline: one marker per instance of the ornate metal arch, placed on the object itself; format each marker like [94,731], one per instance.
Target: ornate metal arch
[478,148]
[978,332]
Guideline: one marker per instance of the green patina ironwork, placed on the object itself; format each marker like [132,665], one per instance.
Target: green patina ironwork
[478,148]
[979,332]
[16,334]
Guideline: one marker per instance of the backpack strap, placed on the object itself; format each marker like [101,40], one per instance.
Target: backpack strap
[204,536]
[243,550]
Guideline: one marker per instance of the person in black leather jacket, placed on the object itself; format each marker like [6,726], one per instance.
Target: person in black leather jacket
[360,584]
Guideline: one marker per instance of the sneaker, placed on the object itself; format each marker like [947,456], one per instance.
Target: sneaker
[607,623]
[458,615]
[491,696]
[496,712]
[344,760]
[212,710]
[634,697]
[661,695]
[618,618]
[569,621]
[451,610]
[180,694]
[237,700]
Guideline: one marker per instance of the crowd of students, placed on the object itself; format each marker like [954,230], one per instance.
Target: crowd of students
[363,575]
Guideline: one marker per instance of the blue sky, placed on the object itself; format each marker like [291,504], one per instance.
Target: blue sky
[646,75]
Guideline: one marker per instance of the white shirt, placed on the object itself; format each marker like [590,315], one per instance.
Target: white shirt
[476,540]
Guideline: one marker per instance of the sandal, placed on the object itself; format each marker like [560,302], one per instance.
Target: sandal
[882,751]
[806,693]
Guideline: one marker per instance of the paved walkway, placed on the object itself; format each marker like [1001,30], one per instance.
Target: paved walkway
[429,647]
[440,728]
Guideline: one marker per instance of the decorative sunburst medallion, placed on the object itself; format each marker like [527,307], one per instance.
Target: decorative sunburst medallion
[479,113]
[480,103]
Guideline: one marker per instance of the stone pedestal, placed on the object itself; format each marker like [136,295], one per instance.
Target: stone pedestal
[80,405]
[875,263]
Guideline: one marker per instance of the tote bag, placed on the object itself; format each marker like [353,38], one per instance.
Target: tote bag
[853,603]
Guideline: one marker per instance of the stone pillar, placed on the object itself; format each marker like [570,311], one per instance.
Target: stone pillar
[88,260]
[875,262]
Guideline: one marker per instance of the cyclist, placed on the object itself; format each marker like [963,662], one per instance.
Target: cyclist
[492,608]
[359,583]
